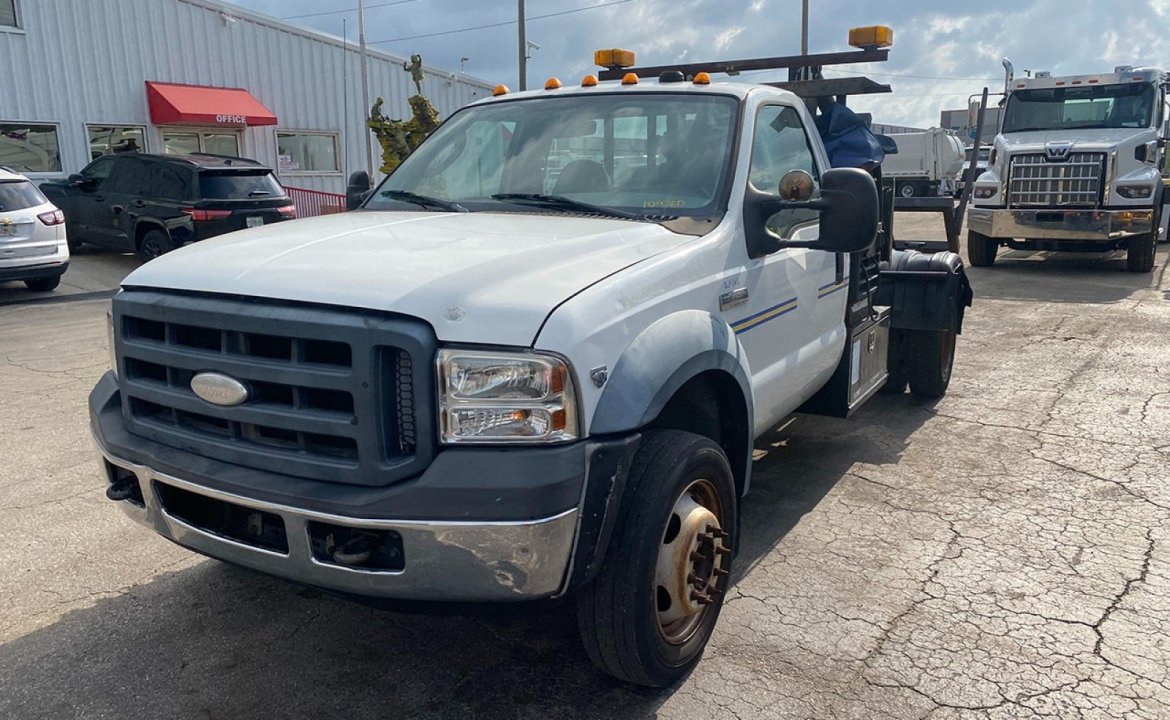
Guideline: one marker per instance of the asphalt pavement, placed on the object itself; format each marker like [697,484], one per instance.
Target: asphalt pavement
[1004,552]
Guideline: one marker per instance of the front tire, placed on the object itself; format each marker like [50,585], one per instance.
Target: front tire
[649,613]
[153,244]
[1139,252]
[981,249]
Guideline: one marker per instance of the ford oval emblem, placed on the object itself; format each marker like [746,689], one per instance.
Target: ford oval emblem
[219,389]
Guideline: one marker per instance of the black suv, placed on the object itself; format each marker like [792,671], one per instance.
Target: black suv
[152,204]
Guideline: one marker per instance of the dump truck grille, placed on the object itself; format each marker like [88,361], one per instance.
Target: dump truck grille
[1034,181]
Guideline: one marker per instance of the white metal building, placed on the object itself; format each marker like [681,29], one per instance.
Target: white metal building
[87,77]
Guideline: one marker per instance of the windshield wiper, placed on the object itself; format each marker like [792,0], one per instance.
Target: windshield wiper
[423,200]
[564,203]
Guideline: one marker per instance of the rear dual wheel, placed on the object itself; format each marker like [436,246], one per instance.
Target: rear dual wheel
[649,613]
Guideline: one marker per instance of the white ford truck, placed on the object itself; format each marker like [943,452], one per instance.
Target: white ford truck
[1076,166]
[496,383]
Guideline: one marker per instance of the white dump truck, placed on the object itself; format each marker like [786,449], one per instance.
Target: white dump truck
[1077,165]
[505,379]
[925,162]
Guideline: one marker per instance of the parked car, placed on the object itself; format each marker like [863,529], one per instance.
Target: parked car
[152,204]
[33,247]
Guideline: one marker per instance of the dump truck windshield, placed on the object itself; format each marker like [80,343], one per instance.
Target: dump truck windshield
[1068,108]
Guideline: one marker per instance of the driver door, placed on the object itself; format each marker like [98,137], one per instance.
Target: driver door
[793,295]
[89,216]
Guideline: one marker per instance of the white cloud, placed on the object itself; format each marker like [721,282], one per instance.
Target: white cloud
[723,39]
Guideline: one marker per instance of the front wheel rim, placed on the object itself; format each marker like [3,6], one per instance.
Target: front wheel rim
[693,560]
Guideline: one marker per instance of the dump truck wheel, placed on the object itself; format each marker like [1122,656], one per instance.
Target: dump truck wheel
[1139,253]
[981,249]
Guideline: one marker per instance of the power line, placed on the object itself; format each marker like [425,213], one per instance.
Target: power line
[341,12]
[500,24]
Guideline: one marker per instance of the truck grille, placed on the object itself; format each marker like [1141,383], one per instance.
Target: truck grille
[1076,182]
[333,395]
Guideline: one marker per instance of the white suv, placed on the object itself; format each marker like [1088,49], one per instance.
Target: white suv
[32,235]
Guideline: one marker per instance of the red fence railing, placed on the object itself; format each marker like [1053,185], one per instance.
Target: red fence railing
[311,203]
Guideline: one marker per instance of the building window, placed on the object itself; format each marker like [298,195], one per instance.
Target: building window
[111,139]
[26,147]
[186,142]
[307,152]
[8,15]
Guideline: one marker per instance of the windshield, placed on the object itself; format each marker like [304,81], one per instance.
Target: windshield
[649,154]
[984,154]
[1067,108]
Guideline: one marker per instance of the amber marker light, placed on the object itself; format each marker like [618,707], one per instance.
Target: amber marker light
[552,84]
[500,90]
[589,81]
[702,79]
[630,79]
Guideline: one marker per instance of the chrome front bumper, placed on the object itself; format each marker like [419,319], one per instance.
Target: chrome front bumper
[1061,224]
[444,561]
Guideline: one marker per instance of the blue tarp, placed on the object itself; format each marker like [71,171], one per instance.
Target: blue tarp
[847,139]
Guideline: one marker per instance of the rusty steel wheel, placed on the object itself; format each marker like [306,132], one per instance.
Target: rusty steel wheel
[691,562]
[648,614]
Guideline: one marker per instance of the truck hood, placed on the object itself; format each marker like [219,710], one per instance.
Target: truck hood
[475,277]
[1086,139]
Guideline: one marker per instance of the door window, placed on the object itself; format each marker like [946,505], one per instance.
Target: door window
[177,143]
[127,177]
[779,146]
[98,170]
[221,144]
[167,183]
[187,142]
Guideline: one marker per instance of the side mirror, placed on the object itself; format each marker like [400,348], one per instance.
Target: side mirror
[357,189]
[849,223]
[81,182]
[848,205]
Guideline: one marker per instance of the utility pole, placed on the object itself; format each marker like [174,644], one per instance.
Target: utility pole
[523,49]
[804,27]
[365,88]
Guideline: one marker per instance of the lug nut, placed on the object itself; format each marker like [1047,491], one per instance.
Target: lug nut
[697,556]
[720,572]
[721,550]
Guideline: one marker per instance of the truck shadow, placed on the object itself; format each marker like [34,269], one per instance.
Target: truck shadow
[1065,277]
[213,641]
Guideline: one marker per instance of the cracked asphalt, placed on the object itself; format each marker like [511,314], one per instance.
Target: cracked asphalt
[1002,553]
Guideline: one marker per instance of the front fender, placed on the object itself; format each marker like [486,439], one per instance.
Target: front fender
[661,360]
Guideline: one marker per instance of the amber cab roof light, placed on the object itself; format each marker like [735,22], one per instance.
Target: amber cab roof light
[500,90]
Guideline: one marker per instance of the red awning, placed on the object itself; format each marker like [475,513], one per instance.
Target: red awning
[196,105]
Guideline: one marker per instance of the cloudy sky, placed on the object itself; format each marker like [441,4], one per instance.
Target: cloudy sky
[944,51]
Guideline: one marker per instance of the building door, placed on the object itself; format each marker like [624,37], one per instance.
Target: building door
[185,141]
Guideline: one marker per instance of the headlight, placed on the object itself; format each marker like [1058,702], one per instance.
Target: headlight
[110,341]
[982,193]
[1135,192]
[498,397]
